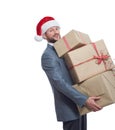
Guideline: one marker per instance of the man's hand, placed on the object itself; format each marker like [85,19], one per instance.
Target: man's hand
[92,105]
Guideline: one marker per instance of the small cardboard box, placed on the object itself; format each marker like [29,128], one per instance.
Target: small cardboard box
[73,39]
[89,60]
[102,85]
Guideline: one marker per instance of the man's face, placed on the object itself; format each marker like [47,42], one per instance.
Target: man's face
[52,34]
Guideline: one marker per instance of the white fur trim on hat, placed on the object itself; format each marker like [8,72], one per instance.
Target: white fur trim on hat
[38,38]
[48,25]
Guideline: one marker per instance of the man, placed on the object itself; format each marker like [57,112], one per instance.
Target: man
[65,96]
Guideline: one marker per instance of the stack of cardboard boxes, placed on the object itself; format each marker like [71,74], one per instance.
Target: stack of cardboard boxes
[90,66]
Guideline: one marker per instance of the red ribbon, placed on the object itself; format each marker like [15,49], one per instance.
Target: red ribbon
[66,43]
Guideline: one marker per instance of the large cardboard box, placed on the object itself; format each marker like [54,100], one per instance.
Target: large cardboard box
[102,85]
[89,60]
[73,39]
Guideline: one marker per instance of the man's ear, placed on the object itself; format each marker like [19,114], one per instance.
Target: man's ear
[44,36]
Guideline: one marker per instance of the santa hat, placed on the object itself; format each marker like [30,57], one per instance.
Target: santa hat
[44,24]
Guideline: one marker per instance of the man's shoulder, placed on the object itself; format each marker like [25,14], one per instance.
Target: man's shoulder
[49,51]
[47,54]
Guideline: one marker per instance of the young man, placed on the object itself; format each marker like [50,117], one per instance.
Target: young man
[65,96]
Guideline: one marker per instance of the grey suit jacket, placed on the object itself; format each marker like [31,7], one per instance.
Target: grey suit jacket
[65,96]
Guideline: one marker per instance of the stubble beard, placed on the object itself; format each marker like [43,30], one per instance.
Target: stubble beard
[52,40]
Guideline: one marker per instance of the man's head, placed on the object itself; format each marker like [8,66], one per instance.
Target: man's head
[49,29]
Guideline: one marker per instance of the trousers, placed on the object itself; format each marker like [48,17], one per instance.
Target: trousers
[78,124]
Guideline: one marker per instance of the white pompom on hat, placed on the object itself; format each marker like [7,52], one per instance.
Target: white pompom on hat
[43,25]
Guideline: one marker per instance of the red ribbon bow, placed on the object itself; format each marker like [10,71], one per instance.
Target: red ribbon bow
[101,58]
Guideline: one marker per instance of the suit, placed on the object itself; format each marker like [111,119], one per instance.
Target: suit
[65,96]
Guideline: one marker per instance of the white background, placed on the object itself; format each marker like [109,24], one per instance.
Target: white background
[26,99]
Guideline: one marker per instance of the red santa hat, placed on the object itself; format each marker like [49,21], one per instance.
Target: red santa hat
[43,25]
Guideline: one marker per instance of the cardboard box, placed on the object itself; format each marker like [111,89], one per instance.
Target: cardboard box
[102,85]
[73,39]
[89,60]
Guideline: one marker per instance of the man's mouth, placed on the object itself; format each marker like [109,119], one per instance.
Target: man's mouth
[56,36]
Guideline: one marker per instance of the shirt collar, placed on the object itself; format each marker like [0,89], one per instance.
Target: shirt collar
[52,44]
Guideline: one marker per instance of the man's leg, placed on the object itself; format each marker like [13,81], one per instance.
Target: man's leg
[78,124]
[84,122]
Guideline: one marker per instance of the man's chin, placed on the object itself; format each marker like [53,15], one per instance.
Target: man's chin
[52,40]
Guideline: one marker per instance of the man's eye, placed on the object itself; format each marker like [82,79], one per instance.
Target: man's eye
[50,30]
[57,28]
